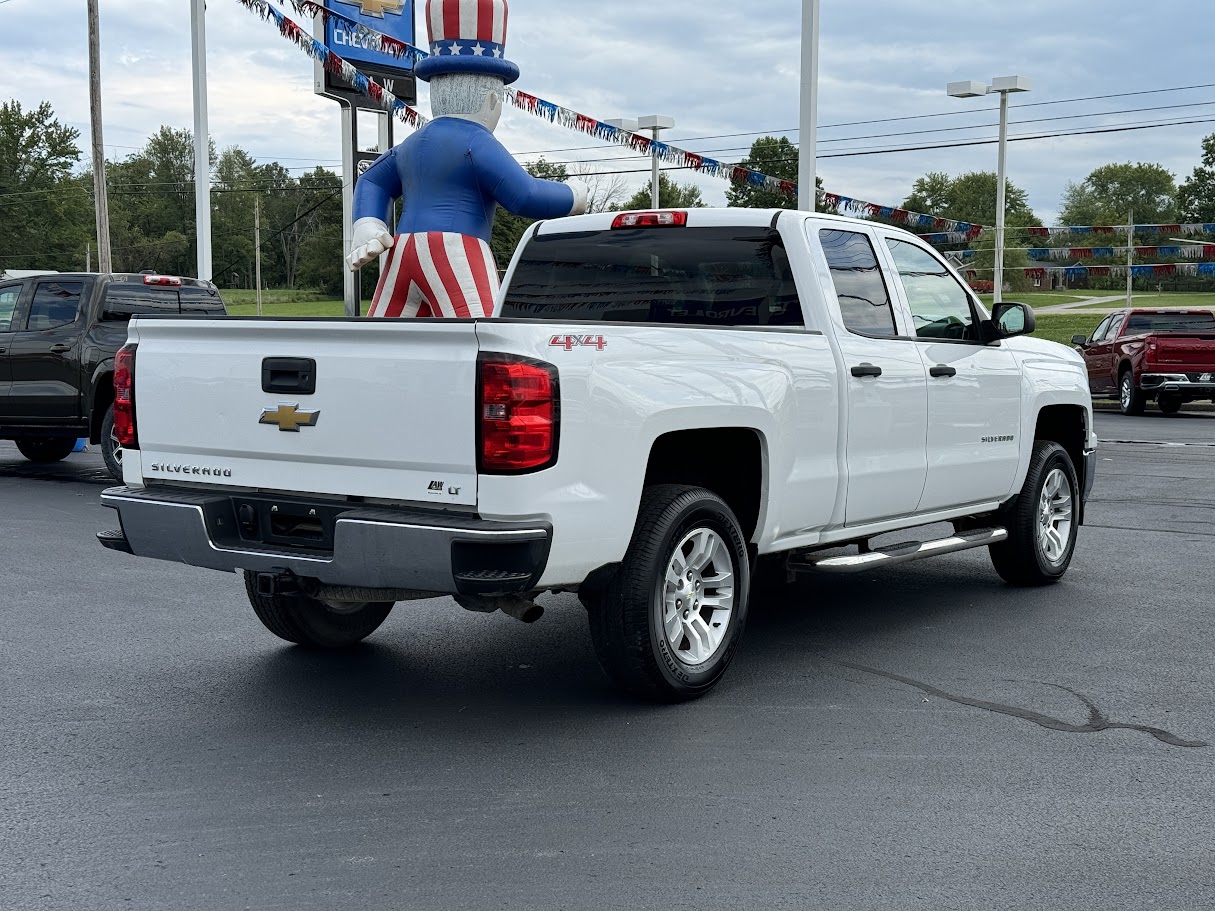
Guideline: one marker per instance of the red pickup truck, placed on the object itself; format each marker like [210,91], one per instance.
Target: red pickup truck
[1139,355]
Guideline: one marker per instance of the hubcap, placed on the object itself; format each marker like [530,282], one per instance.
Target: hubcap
[116,448]
[698,596]
[1055,517]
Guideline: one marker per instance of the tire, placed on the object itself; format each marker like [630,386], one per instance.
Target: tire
[693,529]
[1031,556]
[46,451]
[1131,399]
[312,623]
[110,450]
[1169,404]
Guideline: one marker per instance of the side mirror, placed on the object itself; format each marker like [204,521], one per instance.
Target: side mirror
[1013,319]
[1080,341]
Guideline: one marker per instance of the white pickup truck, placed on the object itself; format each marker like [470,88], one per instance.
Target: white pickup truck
[663,403]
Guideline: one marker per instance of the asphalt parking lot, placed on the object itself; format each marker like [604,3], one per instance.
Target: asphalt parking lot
[925,738]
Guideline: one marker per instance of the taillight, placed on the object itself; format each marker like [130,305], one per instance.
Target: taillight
[124,398]
[518,411]
[651,220]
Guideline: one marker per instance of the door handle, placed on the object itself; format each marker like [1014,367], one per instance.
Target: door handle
[942,372]
[865,370]
[60,349]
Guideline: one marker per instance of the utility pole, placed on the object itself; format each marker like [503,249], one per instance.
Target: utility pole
[202,138]
[257,247]
[88,257]
[1130,259]
[101,194]
[807,170]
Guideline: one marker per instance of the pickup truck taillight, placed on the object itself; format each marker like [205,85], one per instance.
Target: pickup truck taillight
[124,398]
[517,410]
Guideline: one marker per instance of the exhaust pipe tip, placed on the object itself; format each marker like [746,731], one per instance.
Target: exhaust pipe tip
[523,611]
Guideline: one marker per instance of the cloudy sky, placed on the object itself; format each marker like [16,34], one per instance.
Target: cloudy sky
[720,67]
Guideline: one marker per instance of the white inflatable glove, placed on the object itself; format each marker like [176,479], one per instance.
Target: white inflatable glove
[370,240]
[581,194]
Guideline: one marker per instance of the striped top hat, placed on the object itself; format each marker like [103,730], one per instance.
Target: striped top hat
[467,36]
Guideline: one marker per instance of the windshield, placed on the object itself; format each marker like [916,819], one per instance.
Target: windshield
[1170,322]
[689,276]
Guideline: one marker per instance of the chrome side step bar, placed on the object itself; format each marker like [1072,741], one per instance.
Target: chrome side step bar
[901,553]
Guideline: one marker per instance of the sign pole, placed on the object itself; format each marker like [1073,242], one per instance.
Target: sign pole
[257,246]
[807,176]
[202,138]
[350,140]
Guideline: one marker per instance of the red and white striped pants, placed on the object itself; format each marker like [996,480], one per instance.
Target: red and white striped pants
[437,275]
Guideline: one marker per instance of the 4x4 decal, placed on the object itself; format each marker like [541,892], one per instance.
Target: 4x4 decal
[570,342]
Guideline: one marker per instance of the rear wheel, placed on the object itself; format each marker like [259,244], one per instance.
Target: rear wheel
[1041,521]
[667,625]
[312,623]
[1169,404]
[111,449]
[46,451]
[1130,397]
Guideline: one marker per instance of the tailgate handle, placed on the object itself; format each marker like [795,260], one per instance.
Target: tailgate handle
[296,375]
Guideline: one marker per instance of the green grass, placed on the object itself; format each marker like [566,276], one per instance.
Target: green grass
[1187,299]
[271,297]
[1060,327]
[1038,299]
[284,308]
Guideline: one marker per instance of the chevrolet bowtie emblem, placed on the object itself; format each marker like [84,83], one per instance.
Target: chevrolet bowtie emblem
[289,418]
[378,8]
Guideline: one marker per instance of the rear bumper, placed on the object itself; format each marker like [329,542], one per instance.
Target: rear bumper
[375,548]
[1191,385]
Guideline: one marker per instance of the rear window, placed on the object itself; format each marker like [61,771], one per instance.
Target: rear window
[125,301]
[1170,322]
[688,276]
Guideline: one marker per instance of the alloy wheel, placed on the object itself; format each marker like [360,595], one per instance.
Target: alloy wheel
[1055,517]
[698,596]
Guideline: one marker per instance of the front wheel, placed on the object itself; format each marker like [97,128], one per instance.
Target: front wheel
[1131,399]
[312,623]
[1041,521]
[667,625]
[44,452]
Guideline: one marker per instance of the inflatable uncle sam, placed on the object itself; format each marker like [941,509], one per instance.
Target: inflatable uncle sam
[450,176]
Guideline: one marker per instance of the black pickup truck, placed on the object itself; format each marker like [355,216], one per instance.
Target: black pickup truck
[59,333]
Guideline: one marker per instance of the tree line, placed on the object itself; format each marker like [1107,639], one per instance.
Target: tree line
[46,205]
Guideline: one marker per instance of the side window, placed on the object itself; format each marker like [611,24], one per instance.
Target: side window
[864,300]
[1111,331]
[8,304]
[940,306]
[125,301]
[1099,333]
[55,304]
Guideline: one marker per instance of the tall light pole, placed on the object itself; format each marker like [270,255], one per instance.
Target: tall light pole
[202,138]
[1004,85]
[807,169]
[101,195]
[655,123]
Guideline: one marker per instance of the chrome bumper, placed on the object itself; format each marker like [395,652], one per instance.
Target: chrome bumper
[374,548]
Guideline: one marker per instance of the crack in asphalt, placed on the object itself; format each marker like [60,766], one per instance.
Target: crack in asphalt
[1097,721]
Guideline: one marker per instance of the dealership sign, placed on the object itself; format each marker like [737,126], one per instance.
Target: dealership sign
[394,18]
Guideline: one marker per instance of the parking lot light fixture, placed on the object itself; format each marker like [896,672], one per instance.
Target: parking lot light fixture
[655,124]
[1004,86]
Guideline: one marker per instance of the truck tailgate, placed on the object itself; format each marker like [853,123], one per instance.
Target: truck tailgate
[392,415]
[1184,353]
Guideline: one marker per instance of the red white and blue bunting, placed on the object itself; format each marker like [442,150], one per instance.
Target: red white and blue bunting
[944,230]
[1185,230]
[1155,270]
